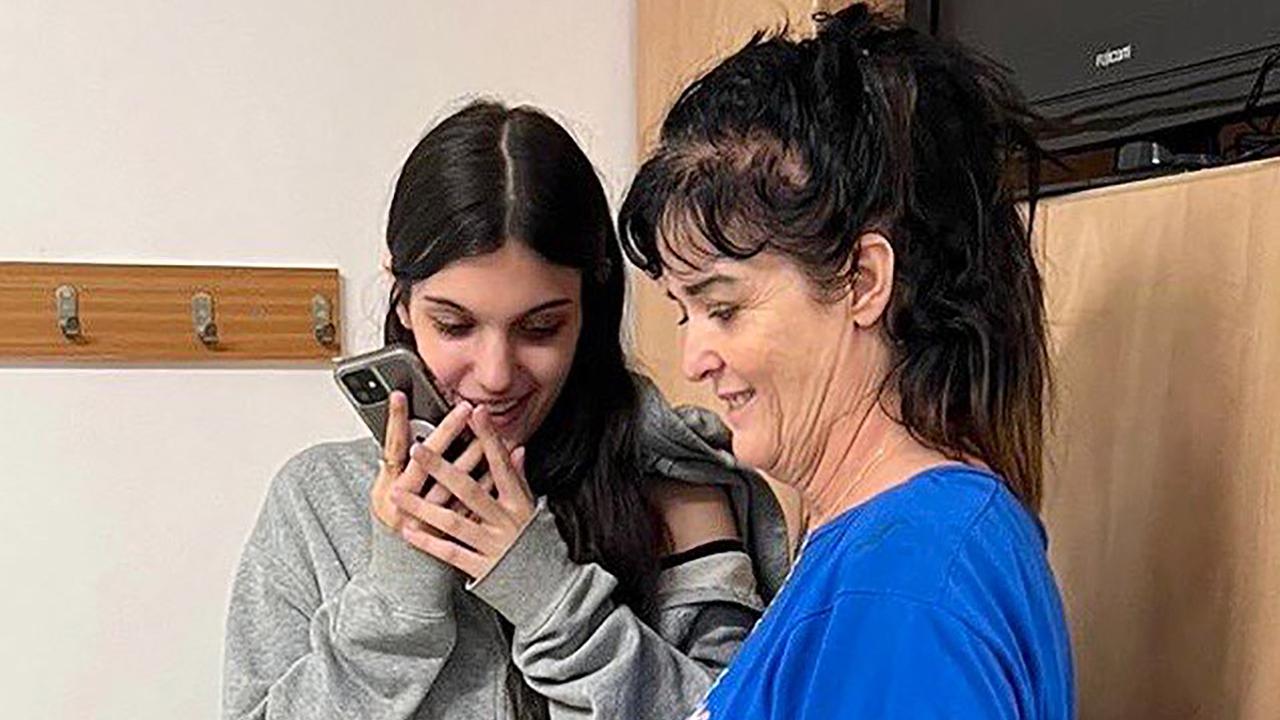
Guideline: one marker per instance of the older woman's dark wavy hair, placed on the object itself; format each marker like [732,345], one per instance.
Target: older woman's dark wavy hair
[800,146]
[488,175]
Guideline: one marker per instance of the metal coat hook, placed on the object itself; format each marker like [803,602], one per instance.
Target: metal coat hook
[322,326]
[202,318]
[67,300]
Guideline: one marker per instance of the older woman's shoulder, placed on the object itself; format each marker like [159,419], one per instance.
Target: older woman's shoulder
[923,538]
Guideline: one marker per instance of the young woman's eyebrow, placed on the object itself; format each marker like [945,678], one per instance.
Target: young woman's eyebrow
[549,305]
[447,303]
[542,307]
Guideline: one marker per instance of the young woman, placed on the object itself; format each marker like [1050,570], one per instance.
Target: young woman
[597,571]
[858,287]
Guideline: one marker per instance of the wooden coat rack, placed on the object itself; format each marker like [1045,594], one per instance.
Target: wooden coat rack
[168,313]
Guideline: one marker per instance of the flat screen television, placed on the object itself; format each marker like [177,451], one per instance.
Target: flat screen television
[1112,70]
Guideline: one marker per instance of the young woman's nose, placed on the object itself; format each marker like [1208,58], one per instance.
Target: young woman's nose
[495,367]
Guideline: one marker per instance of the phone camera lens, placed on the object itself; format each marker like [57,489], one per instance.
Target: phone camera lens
[365,386]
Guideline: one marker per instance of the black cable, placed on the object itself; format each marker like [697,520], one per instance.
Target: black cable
[1260,151]
[1257,91]
[1263,139]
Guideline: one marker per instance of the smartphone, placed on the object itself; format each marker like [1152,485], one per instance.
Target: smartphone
[368,380]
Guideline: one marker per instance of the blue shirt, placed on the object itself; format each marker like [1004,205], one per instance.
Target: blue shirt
[931,600]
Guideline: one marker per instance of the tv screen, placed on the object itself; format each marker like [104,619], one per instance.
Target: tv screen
[1115,69]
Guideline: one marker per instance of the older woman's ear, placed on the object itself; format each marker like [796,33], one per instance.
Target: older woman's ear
[873,281]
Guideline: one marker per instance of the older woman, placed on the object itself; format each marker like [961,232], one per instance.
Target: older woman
[858,288]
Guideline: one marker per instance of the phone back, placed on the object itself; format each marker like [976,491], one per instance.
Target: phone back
[393,368]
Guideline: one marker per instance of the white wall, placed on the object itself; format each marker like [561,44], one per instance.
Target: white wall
[228,132]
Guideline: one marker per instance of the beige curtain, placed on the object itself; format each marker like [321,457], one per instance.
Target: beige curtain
[1163,497]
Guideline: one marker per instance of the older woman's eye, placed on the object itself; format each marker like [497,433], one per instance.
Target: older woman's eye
[723,313]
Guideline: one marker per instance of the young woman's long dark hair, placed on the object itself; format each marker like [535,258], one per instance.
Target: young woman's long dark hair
[800,146]
[488,175]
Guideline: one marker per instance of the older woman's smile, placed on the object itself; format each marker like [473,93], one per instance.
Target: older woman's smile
[736,401]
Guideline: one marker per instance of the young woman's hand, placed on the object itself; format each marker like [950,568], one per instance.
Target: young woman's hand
[397,471]
[477,531]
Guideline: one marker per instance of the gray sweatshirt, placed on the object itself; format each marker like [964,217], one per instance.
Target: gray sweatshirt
[333,616]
